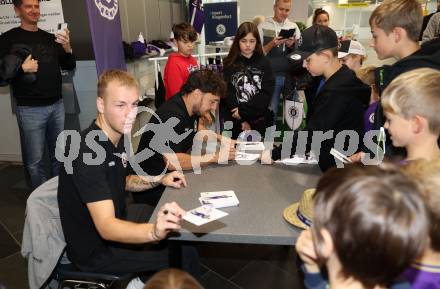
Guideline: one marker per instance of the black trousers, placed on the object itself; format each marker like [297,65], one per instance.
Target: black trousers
[145,259]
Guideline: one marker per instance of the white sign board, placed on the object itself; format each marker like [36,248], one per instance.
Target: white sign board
[51,13]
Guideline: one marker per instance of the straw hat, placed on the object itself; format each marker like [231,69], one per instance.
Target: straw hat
[301,214]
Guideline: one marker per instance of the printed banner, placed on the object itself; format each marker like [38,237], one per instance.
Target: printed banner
[220,20]
[196,14]
[51,13]
[105,27]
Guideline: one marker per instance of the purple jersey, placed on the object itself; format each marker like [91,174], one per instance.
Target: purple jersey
[369,116]
[422,276]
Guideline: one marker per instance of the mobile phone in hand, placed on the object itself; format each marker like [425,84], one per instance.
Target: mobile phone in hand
[61,27]
[286,33]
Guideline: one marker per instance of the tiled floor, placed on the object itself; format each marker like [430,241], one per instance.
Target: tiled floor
[225,266]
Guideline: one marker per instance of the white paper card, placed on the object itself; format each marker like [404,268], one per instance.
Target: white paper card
[220,199]
[250,146]
[241,156]
[340,156]
[204,214]
[297,160]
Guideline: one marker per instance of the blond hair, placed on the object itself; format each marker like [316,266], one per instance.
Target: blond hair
[366,75]
[123,78]
[415,93]
[172,279]
[427,174]
[258,19]
[407,14]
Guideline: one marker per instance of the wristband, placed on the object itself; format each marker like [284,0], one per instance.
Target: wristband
[153,234]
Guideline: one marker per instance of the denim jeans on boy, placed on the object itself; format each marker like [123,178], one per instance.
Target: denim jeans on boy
[275,102]
[40,125]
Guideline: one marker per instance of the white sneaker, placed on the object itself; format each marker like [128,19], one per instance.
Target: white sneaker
[135,283]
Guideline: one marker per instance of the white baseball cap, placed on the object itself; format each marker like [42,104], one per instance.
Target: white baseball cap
[351,47]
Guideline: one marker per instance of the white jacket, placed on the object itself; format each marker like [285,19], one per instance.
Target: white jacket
[43,239]
[432,30]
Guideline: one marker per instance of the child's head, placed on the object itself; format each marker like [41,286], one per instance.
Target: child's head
[410,103]
[184,36]
[172,279]
[352,53]
[427,174]
[318,49]
[321,17]
[366,75]
[368,226]
[246,42]
[258,19]
[393,23]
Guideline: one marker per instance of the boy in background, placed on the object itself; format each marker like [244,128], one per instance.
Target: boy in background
[410,104]
[352,53]
[395,27]
[181,63]
[383,211]
[341,98]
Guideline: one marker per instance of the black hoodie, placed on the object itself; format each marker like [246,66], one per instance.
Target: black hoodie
[339,105]
[427,56]
[250,86]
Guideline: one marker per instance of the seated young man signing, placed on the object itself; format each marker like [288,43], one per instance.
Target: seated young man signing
[91,192]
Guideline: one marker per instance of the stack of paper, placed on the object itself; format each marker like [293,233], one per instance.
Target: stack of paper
[296,160]
[250,146]
[219,199]
[241,156]
[340,156]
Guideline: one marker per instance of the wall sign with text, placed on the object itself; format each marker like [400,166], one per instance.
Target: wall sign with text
[51,13]
[220,20]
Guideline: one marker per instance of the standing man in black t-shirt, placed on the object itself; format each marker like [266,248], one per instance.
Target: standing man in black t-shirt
[91,192]
[36,86]
[168,138]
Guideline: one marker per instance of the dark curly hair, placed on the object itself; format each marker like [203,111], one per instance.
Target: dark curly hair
[207,81]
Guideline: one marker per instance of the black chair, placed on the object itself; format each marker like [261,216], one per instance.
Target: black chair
[69,276]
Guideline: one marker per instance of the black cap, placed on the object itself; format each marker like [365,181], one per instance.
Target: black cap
[314,39]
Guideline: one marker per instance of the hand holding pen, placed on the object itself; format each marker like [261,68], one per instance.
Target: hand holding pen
[168,220]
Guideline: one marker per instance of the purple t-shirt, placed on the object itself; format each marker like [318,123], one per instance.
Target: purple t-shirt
[422,276]
[369,116]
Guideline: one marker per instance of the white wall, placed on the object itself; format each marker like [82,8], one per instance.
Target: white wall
[154,18]
[10,141]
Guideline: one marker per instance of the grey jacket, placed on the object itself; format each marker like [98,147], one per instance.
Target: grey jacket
[43,239]
[433,28]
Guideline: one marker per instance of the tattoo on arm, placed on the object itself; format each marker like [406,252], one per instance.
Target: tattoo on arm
[139,184]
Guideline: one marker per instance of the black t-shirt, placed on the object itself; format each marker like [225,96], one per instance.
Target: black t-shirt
[51,58]
[91,183]
[174,131]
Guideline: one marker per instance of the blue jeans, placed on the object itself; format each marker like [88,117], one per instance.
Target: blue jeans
[275,102]
[40,125]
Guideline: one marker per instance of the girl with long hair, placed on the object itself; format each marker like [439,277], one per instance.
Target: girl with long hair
[250,82]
